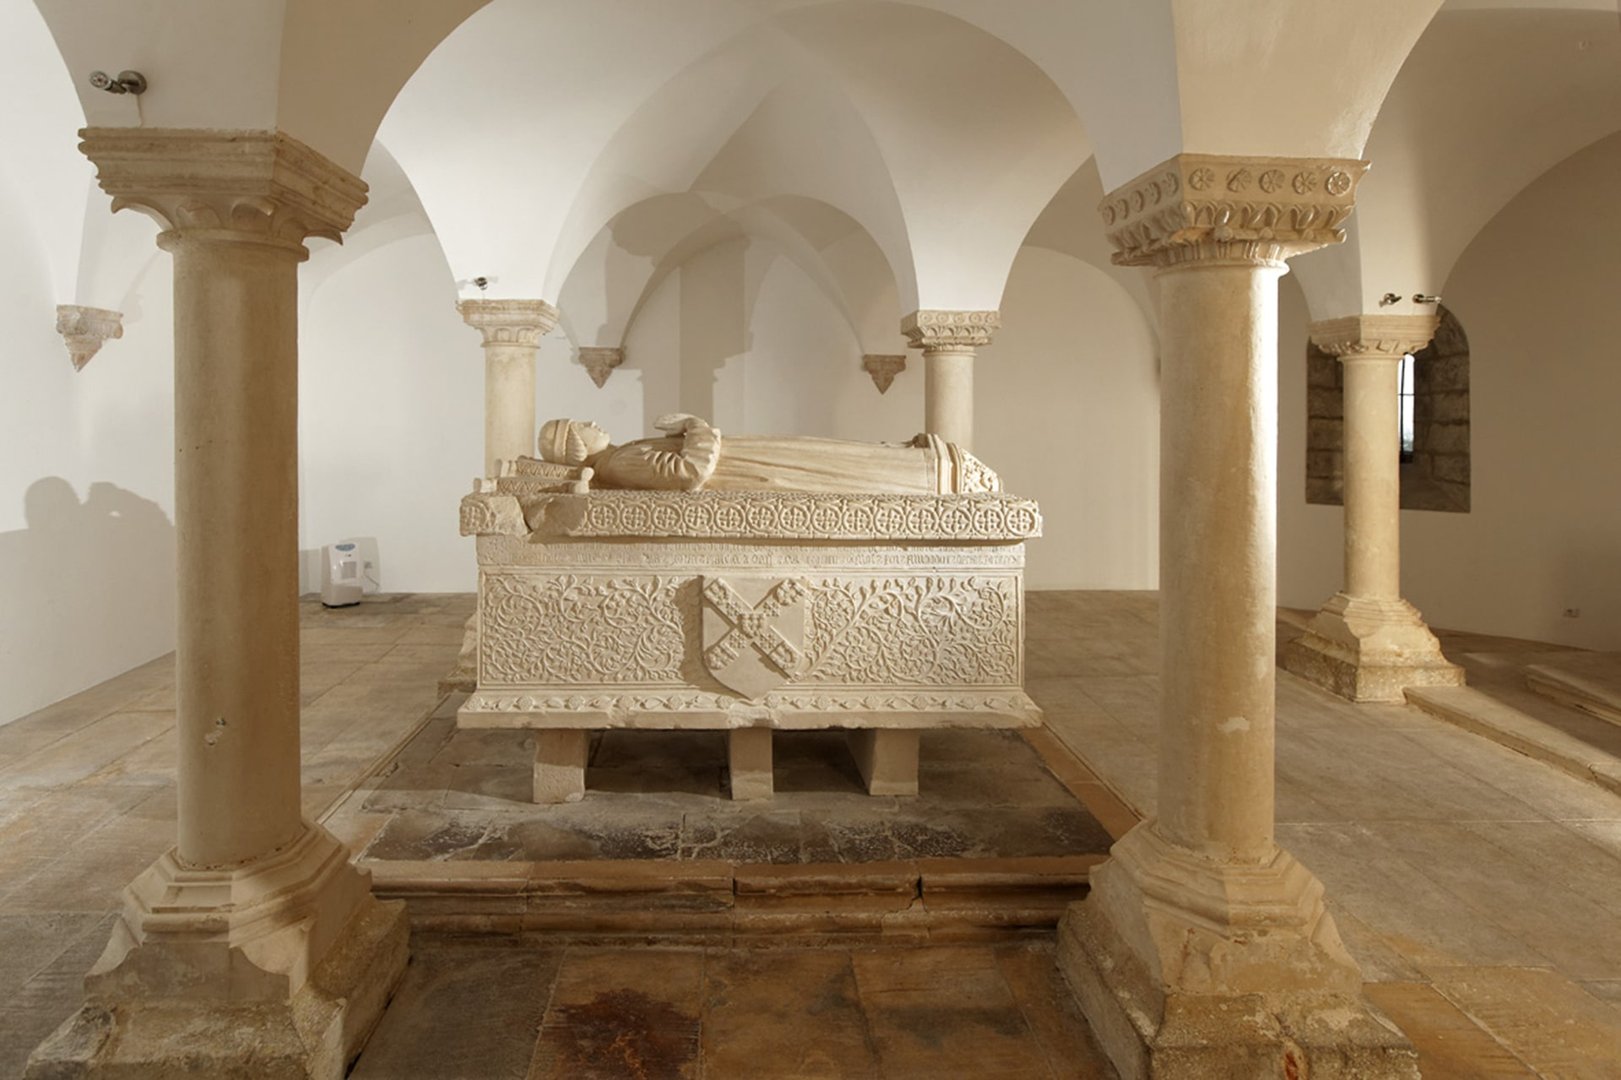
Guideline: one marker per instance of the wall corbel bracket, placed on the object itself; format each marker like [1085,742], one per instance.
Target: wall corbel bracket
[84,329]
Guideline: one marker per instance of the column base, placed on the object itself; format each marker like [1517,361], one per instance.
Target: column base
[1193,969]
[1369,650]
[278,969]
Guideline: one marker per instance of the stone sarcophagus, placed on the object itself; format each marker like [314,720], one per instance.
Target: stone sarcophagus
[748,611]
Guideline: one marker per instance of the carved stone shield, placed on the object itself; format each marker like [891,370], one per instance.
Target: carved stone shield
[754,631]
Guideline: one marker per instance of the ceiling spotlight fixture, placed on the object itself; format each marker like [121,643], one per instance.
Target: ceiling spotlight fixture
[128,82]
[482,283]
[1388,299]
[1425,298]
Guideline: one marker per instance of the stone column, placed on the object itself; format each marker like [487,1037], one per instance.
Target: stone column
[1367,643]
[512,331]
[255,923]
[1204,949]
[948,340]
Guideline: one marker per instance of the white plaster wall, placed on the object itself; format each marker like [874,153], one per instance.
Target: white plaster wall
[1067,397]
[1535,293]
[1066,404]
[1311,538]
[87,582]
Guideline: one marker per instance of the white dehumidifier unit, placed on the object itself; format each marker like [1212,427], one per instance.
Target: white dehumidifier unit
[346,574]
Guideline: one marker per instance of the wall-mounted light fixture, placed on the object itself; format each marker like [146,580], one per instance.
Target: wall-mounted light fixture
[127,82]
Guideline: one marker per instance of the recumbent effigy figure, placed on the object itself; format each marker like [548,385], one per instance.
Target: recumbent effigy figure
[746,583]
[694,456]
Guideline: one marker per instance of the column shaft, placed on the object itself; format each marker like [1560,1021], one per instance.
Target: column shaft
[1218,483]
[1372,476]
[236,524]
[948,394]
[509,403]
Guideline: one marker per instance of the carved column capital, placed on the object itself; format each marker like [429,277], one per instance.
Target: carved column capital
[509,322]
[1389,336]
[950,331]
[228,185]
[85,328]
[883,369]
[599,361]
[1210,208]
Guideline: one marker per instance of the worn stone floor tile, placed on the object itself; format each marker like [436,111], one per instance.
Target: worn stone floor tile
[382,631]
[1562,852]
[1379,960]
[944,1011]
[624,1014]
[1579,936]
[1450,1046]
[415,835]
[28,734]
[1420,919]
[772,836]
[1031,972]
[92,747]
[1605,990]
[464,1012]
[784,1015]
[54,824]
[1547,1021]
[30,943]
[50,997]
[433,634]
[1547,792]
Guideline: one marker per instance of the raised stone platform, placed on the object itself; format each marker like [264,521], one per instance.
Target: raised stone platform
[746,612]
[1000,838]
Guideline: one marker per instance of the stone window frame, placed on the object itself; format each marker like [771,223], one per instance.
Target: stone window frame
[1438,477]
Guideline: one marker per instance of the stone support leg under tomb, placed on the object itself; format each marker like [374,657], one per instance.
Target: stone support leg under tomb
[511,330]
[1367,643]
[1204,949]
[948,340]
[253,947]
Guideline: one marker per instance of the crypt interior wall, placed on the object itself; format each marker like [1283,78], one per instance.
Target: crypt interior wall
[1535,292]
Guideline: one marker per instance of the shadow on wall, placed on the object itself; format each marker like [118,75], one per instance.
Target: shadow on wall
[88,588]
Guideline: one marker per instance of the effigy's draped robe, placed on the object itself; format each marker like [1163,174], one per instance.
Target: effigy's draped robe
[768,463]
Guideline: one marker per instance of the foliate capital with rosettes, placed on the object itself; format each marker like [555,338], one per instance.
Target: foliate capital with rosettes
[933,331]
[227,185]
[1391,336]
[1209,208]
[509,322]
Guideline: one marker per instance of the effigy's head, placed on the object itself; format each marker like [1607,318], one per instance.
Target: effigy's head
[571,442]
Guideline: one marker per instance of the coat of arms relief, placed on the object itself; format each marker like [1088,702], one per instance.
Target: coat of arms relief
[754,631]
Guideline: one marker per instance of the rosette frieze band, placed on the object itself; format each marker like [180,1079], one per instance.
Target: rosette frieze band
[1390,336]
[509,322]
[938,331]
[261,185]
[1199,207]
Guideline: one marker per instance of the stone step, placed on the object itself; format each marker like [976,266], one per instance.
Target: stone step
[1590,682]
[1505,725]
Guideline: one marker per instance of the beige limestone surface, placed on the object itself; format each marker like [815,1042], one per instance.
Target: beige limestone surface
[1367,643]
[1205,948]
[1473,885]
